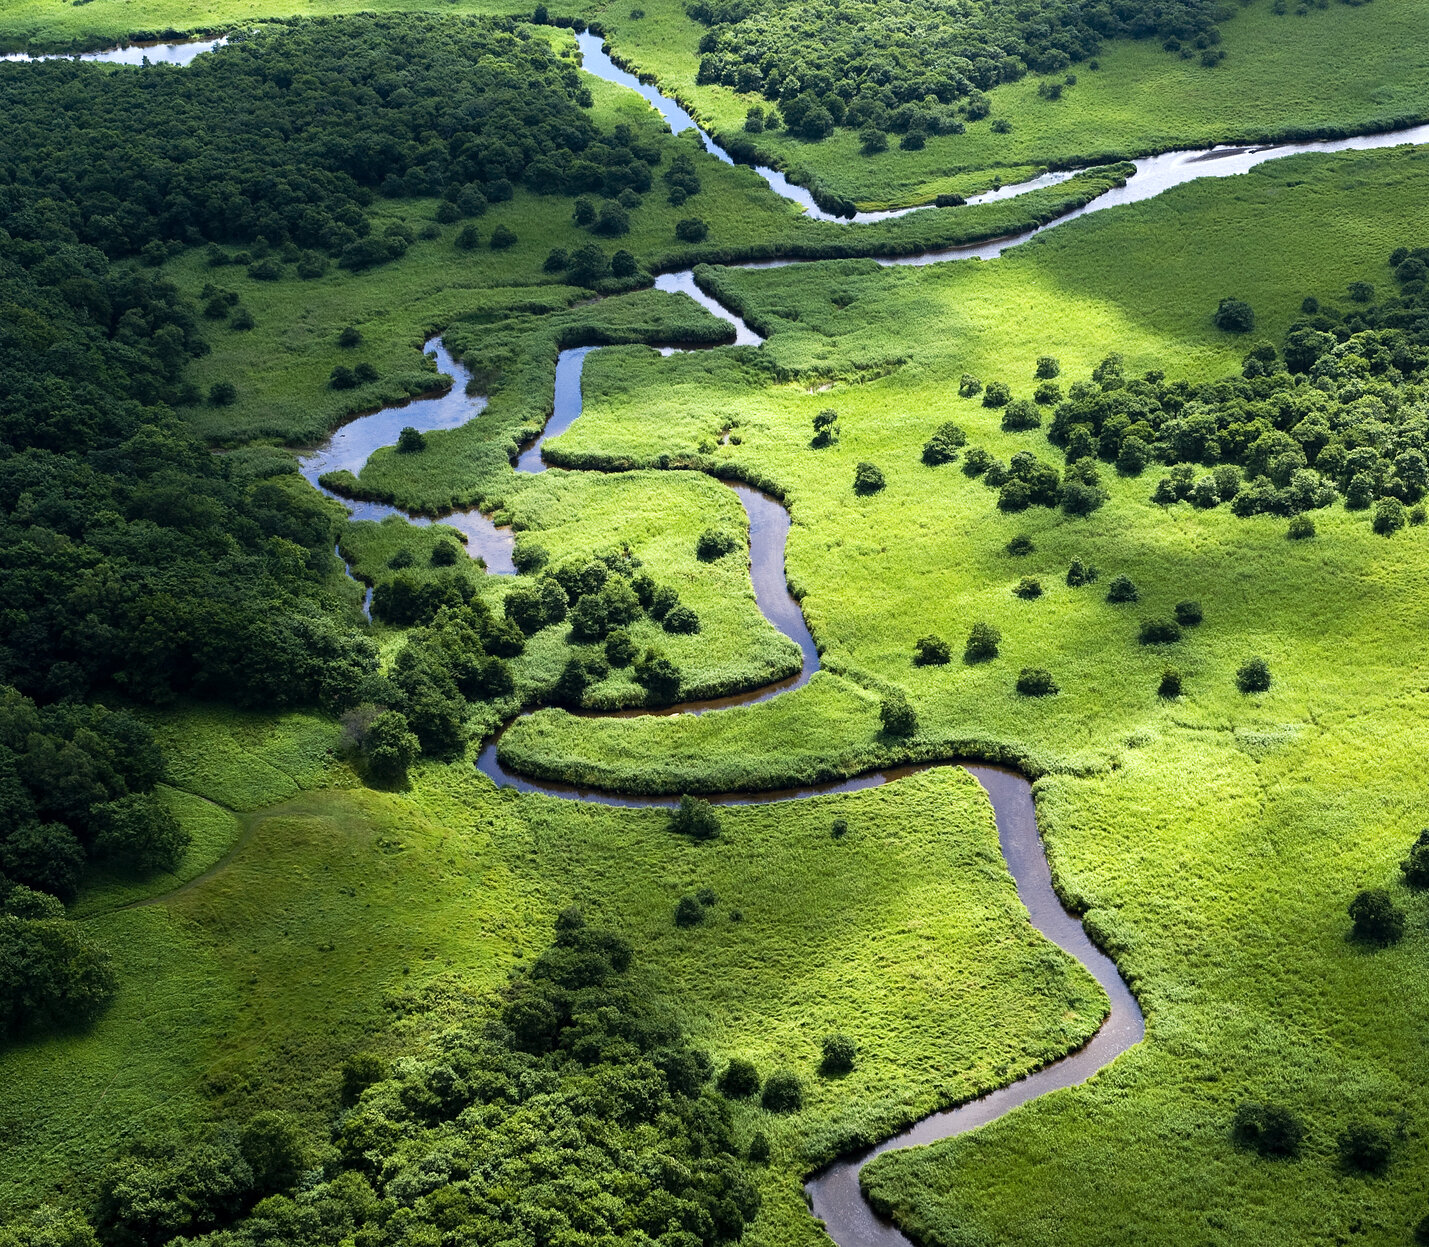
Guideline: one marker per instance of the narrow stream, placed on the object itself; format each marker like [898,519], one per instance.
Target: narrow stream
[181,53]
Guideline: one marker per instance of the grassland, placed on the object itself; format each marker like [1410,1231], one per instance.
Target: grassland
[350,919]
[1370,69]
[1213,840]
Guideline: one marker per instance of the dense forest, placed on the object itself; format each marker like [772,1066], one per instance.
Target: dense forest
[579,1115]
[916,64]
[334,113]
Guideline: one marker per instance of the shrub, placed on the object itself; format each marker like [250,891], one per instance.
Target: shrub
[783,1093]
[1028,588]
[758,1153]
[838,829]
[838,1055]
[1015,495]
[931,651]
[51,975]
[1170,685]
[867,479]
[388,748]
[342,378]
[943,446]
[1020,546]
[403,558]
[242,320]
[410,441]
[1377,919]
[663,599]
[445,553]
[706,897]
[1188,614]
[623,264]
[502,237]
[468,237]
[969,386]
[691,229]
[1416,865]
[1364,1147]
[688,912]
[1388,517]
[1234,316]
[556,260]
[997,394]
[620,650]
[1080,574]
[714,544]
[983,641]
[1047,394]
[681,618]
[1302,528]
[826,428]
[360,1071]
[1122,590]
[1269,1129]
[1036,682]
[1133,456]
[350,337]
[1253,676]
[1204,495]
[1159,632]
[659,677]
[897,715]
[1020,416]
[695,818]
[1047,368]
[529,556]
[739,1079]
[222,394]
[977,462]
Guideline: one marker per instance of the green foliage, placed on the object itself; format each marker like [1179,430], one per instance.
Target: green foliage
[838,1052]
[695,818]
[1080,574]
[826,428]
[689,912]
[1234,316]
[931,651]
[783,1092]
[997,394]
[1036,682]
[1189,614]
[51,976]
[983,640]
[1159,632]
[915,69]
[1029,588]
[897,715]
[943,445]
[1253,676]
[1121,590]
[1377,919]
[360,1071]
[739,1080]
[867,479]
[714,544]
[1020,546]
[1416,866]
[1364,1147]
[411,442]
[1270,1129]
[1020,416]
[1170,685]
[1388,516]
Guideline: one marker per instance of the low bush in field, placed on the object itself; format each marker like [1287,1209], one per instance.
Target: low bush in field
[1270,1129]
[1416,866]
[1377,919]
[714,544]
[1364,1147]
[943,446]
[695,818]
[739,1079]
[1253,676]
[931,651]
[783,1092]
[867,479]
[1159,632]
[838,1054]
[1122,590]
[897,715]
[983,640]
[1036,682]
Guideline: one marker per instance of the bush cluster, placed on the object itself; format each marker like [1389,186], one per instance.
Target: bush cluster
[1337,410]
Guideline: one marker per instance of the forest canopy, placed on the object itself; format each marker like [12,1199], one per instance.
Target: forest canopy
[901,64]
[334,112]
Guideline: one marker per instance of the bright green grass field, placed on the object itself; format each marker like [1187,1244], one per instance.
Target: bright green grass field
[350,919]
[1215,840]
[1354,69]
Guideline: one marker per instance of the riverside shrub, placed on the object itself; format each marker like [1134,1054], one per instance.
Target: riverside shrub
[695,818]
[783,1092]
[897,715]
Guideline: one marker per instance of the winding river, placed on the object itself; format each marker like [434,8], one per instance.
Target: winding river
[834,1194]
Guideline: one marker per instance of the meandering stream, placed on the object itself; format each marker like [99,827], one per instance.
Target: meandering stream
[834,1194]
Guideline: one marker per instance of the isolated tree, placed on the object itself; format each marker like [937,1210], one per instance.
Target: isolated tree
[1377,919]
[838,1054]
[897,715]
[1047,367]
[1159,632]
[1253,676]
[783,1092]
[714,544]
[826,428]
[1234,316]
[1416,865]
[1020,546]
[1122,590]
[695,818]
[689,912]
[1028,588]
[739,1079]
[1170,685]
[1364,1147]
[1036,682]
[1270,1129]
[1189,614]
[931,651]
[1080,574]
[943,445]
[983,641]
[997,394]
[867,479]
[969,386]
